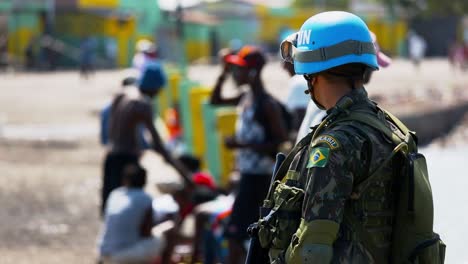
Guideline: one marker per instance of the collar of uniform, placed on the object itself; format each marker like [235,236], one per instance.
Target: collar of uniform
[345,102]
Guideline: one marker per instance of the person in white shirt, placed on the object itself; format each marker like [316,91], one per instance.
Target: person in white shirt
[416,47]
[297,101]
[146,52]
[306,113]
[127,235]
[312,118]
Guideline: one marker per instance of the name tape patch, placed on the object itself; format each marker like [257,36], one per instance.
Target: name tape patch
[329,140]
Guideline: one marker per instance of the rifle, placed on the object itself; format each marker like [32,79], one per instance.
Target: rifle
[256,253]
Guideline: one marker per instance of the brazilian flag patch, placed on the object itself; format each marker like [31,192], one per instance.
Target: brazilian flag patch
[318,157]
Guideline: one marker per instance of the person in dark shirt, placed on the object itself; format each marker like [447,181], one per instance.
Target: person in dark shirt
[260,130]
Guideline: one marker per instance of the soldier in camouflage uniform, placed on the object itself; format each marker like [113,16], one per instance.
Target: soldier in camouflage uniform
[341,155]
[334,51]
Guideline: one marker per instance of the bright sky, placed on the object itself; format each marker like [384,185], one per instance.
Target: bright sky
[172,4]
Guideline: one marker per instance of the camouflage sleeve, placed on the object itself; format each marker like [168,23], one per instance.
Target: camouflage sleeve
[334,162]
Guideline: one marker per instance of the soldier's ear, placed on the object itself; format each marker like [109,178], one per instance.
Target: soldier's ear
[317,79]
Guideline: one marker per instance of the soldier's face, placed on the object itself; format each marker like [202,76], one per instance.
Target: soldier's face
[314,91]
[310,79]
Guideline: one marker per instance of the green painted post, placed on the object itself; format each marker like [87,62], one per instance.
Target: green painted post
[212,152]
[147,13]
[185,116]
[5,5]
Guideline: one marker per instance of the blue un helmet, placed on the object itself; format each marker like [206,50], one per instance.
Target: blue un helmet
[328,40]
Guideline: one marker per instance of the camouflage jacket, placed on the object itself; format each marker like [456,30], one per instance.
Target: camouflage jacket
[341,155]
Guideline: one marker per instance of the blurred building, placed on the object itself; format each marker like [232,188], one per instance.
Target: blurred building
[20,21]
[209,26]
[439,33]
[112,23]
[118,23]
[188,30]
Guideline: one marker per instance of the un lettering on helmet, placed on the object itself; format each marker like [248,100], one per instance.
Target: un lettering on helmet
[304,37]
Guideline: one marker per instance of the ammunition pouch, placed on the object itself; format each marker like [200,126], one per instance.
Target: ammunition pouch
[431,251]
[277,228]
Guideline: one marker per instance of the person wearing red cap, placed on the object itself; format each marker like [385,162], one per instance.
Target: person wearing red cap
[260,129]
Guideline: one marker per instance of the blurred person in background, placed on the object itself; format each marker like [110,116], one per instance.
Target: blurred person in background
[179,201]
[30,53]
[458,55]
[260,130]
[313,117]
[146,52]
[3,51]
[211,219]
[234,46]
[130,109]
[186,197]
[383,60]
[87,56]
[297,101]
[111,51]
[126,235]
[48,53]
[128,82]
[416,47]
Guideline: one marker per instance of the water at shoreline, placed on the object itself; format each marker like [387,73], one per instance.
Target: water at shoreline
[448,168]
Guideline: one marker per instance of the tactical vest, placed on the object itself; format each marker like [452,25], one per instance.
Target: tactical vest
[372,211]
[378,210]
[412,239]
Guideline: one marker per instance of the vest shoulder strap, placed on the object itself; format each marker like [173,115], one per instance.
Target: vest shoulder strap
[372,121]
[402,144]
[283,169]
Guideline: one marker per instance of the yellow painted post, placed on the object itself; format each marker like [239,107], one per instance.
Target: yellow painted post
[163,101]
[372,25]
[385,41]
[123,42]
[174,83]
[169,97]
[197,49]
[196,97]
[18,41]
[98,3]
[271,24]
[400,35]
[161,128]
[225,125]
[124,32]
